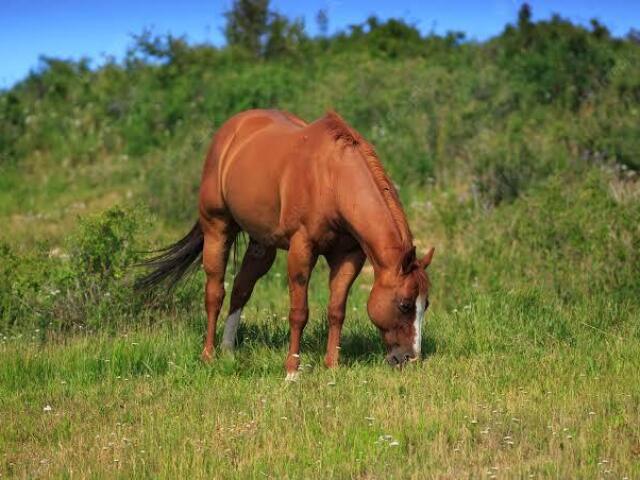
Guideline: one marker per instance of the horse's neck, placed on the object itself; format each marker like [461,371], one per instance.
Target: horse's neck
[368,217]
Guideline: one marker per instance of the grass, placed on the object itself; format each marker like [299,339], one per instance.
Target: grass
[530,370]
[141,404]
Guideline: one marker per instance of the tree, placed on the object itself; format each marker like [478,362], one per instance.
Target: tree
[599,30]
[524,16]
[262,32]
[284,36]
[247,25]
[322,19]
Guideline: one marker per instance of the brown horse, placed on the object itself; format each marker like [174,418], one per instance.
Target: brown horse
[312,189]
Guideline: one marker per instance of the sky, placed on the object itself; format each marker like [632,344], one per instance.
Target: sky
[98,29]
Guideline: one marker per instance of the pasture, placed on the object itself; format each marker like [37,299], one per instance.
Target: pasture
[525,179]
[142,404]
[515,383]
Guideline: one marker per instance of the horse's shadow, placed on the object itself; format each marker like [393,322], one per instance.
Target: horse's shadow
[356,345]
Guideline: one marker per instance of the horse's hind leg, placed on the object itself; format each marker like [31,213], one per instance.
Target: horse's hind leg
[219,235]
[257,261]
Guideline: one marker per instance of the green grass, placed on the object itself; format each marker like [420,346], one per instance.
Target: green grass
[141,404]
[532,357]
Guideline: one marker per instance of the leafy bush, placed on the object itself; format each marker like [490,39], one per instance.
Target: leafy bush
[556,61]
[103,246]
[87,284]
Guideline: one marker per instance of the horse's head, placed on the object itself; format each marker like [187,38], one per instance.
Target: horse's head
[397,305]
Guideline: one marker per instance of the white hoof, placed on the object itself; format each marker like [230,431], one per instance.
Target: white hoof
[292,377]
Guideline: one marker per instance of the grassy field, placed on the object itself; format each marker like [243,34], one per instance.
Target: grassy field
[140,403]
[518,158]
[516,382]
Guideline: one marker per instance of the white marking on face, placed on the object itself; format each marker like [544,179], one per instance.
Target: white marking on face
[417,325]
[230,331]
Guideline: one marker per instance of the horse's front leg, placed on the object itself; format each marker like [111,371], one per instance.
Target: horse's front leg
[300,263]
[345,267]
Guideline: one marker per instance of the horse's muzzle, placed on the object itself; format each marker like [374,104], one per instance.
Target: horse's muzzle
[399,357]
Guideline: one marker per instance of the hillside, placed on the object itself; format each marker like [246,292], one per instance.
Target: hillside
[518,158]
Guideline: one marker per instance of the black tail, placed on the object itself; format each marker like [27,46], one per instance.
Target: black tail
[174,261]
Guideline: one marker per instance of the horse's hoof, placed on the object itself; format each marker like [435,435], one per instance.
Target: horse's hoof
[331,363]
[292,377]
[206,356]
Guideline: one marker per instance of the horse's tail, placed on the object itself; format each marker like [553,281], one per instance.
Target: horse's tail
[173,262]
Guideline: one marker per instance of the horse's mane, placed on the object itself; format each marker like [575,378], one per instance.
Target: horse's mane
[342,132]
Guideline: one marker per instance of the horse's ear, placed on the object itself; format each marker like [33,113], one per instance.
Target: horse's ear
[408,260]
[426,260]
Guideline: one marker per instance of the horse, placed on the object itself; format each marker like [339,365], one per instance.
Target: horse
[313,189]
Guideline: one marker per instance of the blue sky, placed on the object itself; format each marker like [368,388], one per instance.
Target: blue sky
[76,28]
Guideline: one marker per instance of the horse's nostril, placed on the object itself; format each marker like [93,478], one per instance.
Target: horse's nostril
[393,360]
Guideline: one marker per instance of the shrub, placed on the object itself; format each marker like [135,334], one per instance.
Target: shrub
[103,247]
[87,285]
[556,61]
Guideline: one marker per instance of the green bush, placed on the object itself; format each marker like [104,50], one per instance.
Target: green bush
[89,283]
[103,247]
[556,61]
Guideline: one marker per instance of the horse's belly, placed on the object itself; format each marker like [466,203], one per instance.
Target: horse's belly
[253,198]
[259,218]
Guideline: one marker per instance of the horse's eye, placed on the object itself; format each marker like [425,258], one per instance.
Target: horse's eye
[405,307]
